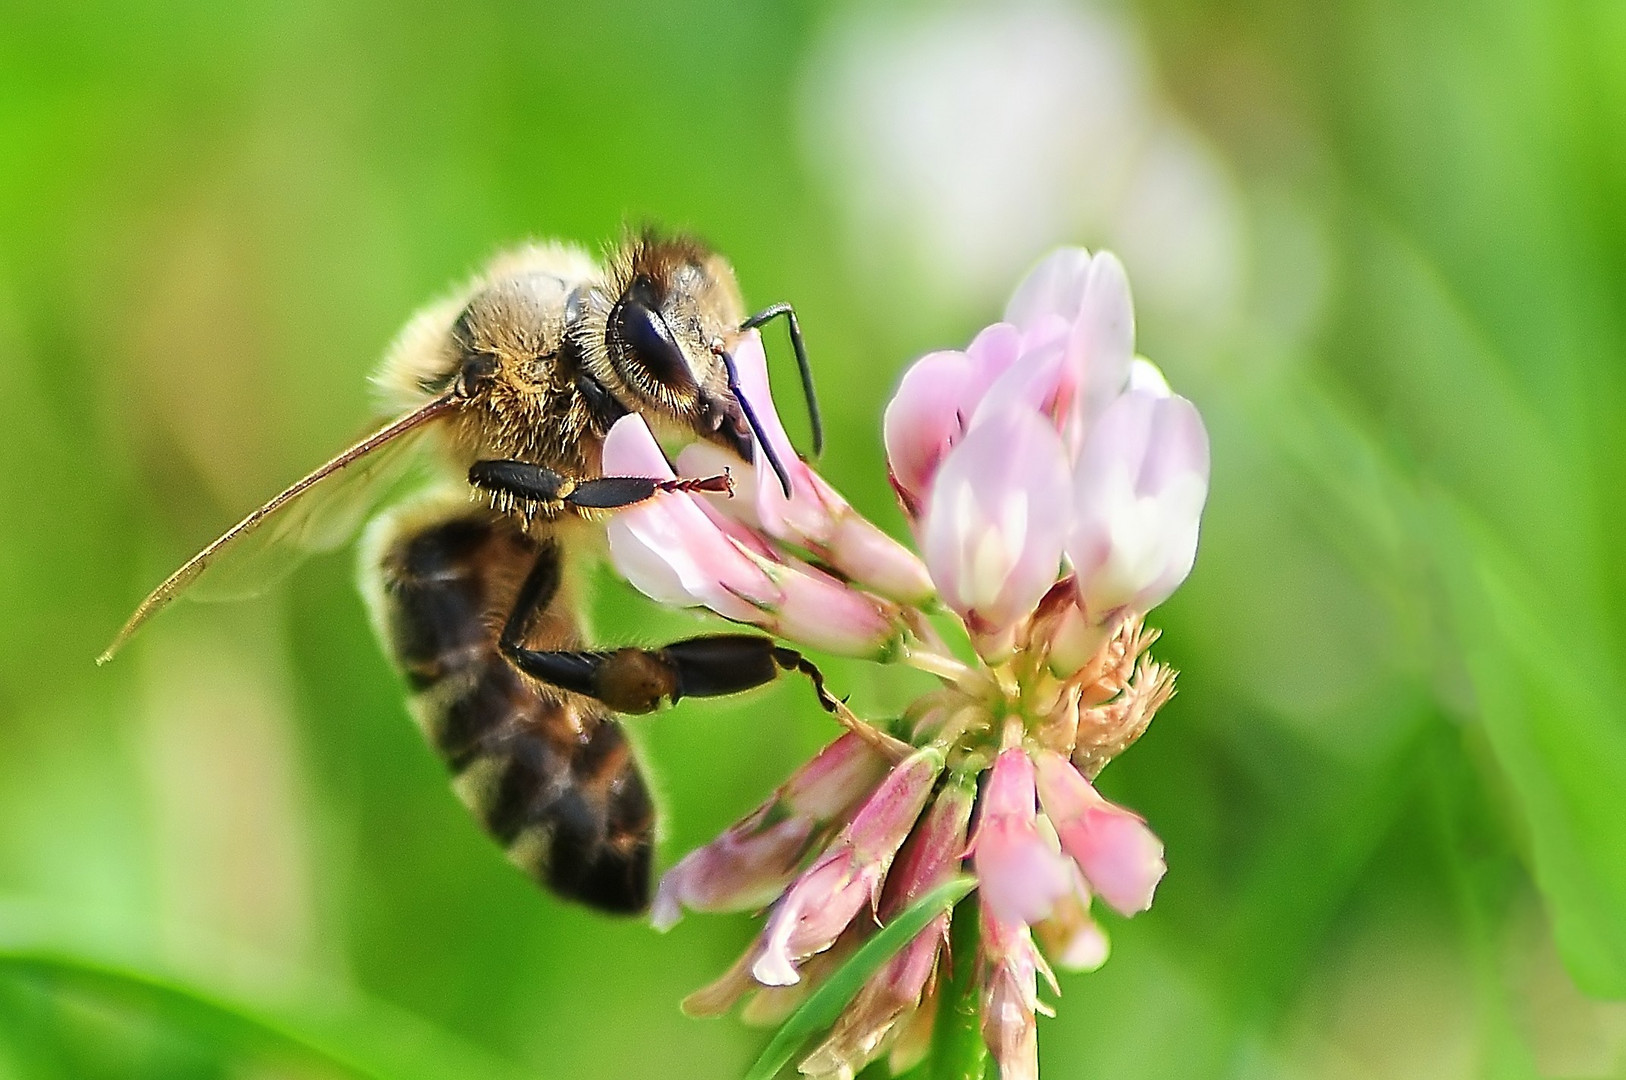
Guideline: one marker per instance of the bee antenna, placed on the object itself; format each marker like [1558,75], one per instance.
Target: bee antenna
[815,418]
[755,424]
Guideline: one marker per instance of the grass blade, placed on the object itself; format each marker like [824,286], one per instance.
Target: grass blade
[822,1006]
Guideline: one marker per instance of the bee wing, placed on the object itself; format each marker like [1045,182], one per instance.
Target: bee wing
[317,513]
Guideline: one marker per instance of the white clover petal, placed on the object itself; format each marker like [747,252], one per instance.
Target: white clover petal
[1054,287]
[994,533]
[1139,487]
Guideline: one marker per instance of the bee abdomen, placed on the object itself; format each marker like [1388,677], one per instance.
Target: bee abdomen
[551,776]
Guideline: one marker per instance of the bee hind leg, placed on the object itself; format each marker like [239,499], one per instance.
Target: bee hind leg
[633,680]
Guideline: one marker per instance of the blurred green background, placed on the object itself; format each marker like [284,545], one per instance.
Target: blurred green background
[1381,243]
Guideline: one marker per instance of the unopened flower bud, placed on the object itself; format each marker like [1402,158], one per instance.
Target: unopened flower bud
[1020,875]
[1140,483]
[750,863]
[1071,938]
[1121,858]
[1010,996]
[672,549]
[998,518]
[820,904]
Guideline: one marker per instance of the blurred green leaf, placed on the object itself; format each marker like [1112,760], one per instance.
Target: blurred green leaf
[1551,707]
[334,1026]
[822,1006]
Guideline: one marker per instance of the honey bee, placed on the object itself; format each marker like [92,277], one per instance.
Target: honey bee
[512,383]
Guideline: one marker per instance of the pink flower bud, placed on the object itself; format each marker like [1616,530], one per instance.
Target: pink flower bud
[817,610]
[1071,939]
[752,862]
[1010,996]
[1121,858]
[1084,302]
[1139,486]
[672,549]
[820,904]
[996,524]
[934,851]
[1020,874]
[930,856]
[815,517]
[744,868]
[934,404]
[667,547]
[834,781]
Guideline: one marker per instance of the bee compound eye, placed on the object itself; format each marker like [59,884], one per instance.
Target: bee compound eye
[647,342]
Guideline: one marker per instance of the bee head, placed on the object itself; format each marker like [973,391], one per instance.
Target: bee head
[656,334]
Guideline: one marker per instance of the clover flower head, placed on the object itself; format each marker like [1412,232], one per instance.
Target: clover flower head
[1054,485]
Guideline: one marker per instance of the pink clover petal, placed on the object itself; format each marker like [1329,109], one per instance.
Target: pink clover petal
[1020,874]
[1090,295]
[846,540]
[815,517]
[756,857]
[743,869]
[999,513]
[1103,336]
[1010,997]
[1140,484]
[668,547]
[751,361]
[873,559]
[647,570]
[840,775]
[887,816]
[924,419]
[814,609]
[1147,378]
[1042,382]
[820,904]
[1121,858]
[631,450]
[934,403]
[806,514]
[994,351]
[1072,940]
[1053,288]
[707,459]
[815,910]
[930,856]
[934,851]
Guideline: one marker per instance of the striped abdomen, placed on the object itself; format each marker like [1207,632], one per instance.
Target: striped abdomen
[549,774]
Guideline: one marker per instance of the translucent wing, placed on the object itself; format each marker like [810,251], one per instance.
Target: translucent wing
[317,513]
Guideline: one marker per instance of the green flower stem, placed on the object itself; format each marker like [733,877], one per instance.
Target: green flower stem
[958,1052]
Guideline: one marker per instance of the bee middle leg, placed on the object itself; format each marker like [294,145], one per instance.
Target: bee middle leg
[634,680]
[526,482]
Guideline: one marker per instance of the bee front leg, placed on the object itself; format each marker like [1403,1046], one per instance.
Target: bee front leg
[638,680]
[525,482]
